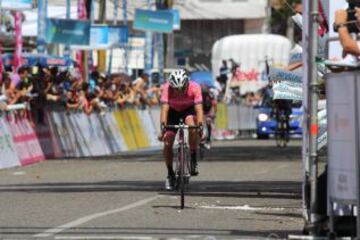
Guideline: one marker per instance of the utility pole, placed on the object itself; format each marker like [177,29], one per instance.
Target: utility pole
[125,22]
[313,110]
[102,53]
[148,56]
[67,52]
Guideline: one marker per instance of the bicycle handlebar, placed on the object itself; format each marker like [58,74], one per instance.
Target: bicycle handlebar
[181,126]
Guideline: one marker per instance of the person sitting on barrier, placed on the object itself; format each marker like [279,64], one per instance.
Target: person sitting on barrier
[180,99]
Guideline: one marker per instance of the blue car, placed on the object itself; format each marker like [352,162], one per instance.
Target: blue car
[266,124]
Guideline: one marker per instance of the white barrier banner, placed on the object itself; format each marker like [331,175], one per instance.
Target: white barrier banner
[67,139]
[98,145]
[9,157]
[155,116]
[149,126]
[113,138]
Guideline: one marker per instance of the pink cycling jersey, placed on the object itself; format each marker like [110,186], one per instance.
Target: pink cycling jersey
[181,102]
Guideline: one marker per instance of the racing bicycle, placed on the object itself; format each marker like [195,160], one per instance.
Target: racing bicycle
[183,164]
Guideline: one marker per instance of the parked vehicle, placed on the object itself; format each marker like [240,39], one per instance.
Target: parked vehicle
[266,122]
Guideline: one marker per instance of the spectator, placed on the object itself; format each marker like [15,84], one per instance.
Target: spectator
[224,71]
[349,45]
[140,87]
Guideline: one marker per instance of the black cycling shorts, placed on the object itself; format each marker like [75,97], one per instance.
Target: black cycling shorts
[175,116]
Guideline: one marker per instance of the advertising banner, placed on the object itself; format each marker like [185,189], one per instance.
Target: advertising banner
[177,19]
[9,157]
[137,129]
[156,21]
[342,136]
[123,122]
[63,133]
[68,31]
[16,4]
[113,138]
[105,37]
[99,36]
[118,34]
[48,141]
[221,121]
[149,127]
[26,143]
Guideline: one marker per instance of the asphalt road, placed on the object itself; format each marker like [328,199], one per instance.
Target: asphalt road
[246,189]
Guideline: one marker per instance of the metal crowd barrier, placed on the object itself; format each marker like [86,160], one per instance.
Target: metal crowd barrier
[343,94]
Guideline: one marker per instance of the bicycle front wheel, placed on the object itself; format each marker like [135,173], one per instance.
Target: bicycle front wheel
[182,177]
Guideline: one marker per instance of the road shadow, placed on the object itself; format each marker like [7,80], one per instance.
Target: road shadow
[242,189]
[156,232]
[219,153]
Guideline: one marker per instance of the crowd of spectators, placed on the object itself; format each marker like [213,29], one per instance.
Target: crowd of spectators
[55,86]
[68,88]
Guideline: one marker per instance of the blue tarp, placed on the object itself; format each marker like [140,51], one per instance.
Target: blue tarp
[202,78]
[31,60]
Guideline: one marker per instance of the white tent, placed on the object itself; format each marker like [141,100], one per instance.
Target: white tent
[250,51]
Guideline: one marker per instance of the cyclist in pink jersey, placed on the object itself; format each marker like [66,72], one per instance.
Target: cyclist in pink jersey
[180,99]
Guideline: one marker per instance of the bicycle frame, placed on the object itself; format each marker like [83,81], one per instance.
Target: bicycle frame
[182,170]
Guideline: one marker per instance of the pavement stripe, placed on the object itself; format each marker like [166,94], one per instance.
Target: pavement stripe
[53,231]
[100,237]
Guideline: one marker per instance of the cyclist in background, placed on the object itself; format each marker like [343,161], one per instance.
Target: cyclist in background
[209,107]
[180,99]
[282,106]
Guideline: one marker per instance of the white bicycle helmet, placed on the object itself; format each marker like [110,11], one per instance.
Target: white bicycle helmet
[178,79]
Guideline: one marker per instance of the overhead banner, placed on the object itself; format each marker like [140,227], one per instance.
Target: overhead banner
[155,21]
[68,31]
[177,19]
[16,4]
[118,34]
[105,37]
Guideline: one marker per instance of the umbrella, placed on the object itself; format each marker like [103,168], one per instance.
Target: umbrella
[202,78]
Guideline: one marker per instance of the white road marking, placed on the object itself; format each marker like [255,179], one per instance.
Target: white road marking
[100,237]
[243,208]
[53,231]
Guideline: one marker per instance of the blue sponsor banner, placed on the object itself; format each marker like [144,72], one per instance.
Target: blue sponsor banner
[68,31]
[16,4]
[156,21]
[99,36]
[177,19]
[118,34]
